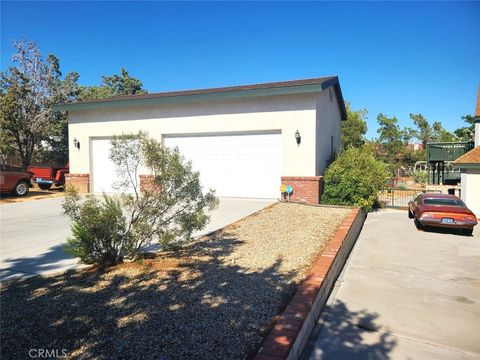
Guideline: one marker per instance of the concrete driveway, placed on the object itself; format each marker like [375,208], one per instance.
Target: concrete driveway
[33,233]
[404,294]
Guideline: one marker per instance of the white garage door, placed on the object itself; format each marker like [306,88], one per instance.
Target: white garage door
[247,165]
[103,169]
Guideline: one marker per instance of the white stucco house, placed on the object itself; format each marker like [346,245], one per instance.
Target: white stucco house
[245,140]
[469,165]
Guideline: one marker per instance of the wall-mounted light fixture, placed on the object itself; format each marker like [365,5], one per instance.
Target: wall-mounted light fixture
[298,138]
[76,143]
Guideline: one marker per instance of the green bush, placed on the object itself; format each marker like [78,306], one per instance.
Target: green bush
[420,177]
[354,178]
[167,210]
[99,233]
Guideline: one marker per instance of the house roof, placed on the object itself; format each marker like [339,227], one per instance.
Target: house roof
[477,108]
[469,159]
[262,89]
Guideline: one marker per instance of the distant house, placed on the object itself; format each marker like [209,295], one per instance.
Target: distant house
[245,140]
[415,147]
[469,165]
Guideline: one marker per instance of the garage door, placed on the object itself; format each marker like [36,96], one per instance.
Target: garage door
[247,165]
[103,169]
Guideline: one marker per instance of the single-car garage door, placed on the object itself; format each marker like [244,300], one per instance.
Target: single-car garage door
[245,165]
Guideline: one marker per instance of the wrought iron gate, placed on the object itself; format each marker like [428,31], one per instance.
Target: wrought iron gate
[399,198]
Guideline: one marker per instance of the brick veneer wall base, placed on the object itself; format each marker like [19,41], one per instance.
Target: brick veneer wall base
[306,189]
[292,329]
[80,181]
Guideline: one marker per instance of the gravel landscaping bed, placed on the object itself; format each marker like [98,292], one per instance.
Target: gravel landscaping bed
[214,299]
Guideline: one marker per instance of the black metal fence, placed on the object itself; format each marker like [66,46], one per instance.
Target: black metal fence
[399,198]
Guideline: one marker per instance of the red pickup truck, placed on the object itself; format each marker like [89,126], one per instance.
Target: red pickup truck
[46,176]
[14,179]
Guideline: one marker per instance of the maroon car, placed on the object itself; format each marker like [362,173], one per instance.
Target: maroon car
[14,180]
[439,210]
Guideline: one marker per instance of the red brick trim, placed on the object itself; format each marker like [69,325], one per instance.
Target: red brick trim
[78,175]
[302,178]
[292,329]
[80,181]
[306,189]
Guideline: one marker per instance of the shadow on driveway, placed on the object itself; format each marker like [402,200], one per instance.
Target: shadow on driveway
[342,336]
[55,259]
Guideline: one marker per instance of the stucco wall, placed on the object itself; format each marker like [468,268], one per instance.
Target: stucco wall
[470,185]
[477,134]
[286,113]
[328,124]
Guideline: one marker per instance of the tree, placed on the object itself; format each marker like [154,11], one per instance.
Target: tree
[439,134]
[466,133]
[27,92]
[392,138]
[354,178]
[354,127]
[424,131]
[169,207]
[115,85]
[429,133]
[123,84]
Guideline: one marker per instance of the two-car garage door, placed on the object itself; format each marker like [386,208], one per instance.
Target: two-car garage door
[236,165]
[247,165]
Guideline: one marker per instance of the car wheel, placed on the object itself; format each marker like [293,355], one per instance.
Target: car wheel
[21,189]
[410,215]
[44,186]
[467,232]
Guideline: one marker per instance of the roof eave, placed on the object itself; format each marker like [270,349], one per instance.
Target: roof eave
[214,95]
[341,102]
[467,165]
[287,90]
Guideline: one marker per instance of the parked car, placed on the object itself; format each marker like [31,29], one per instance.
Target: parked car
[14,180]
[439,210]
[46,176]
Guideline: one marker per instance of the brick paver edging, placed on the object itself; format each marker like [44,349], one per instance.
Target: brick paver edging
[292,329]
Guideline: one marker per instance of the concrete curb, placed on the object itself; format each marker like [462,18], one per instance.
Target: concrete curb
[292,329]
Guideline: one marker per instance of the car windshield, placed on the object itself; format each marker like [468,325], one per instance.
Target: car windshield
[443,202]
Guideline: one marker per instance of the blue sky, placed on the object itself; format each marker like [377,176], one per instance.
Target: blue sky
[391,57]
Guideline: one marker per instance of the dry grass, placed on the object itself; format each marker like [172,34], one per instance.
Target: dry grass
[214,299]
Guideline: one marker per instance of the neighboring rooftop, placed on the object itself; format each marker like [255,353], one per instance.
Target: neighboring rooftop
[265,89]
[470,158]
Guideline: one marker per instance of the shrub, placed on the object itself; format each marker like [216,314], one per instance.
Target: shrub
[420,177]
[354,178]
[99,229]
[168,210]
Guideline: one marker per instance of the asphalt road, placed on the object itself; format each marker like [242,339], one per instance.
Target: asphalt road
[33,234]
[403,294]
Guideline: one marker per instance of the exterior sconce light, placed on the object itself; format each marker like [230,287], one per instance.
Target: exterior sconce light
[76,143]
[298,138]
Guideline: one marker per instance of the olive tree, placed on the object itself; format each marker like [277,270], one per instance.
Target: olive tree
[168,207]
[28,89]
